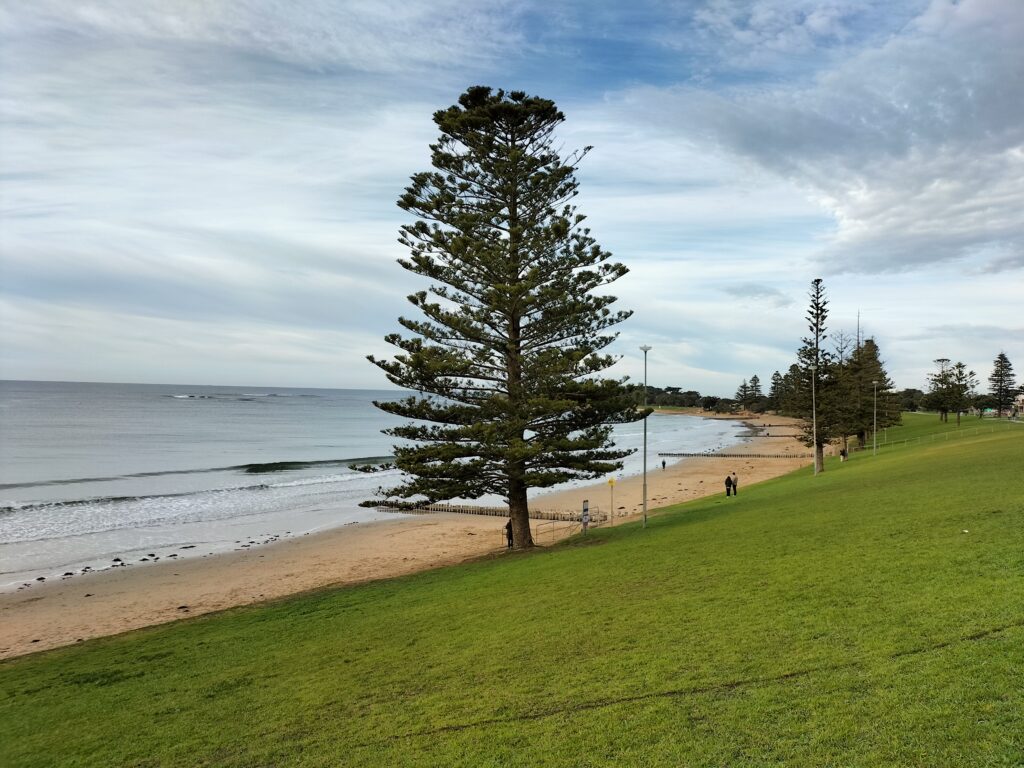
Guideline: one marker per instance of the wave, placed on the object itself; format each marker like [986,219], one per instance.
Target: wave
[349,477]
[249,469]
[235,395]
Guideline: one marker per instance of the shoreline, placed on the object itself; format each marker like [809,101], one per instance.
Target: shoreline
[58,613]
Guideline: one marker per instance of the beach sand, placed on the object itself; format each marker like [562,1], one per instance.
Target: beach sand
[64,612]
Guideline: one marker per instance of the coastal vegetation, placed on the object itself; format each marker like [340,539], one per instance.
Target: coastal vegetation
[840,391]
[506,362]
[869,616]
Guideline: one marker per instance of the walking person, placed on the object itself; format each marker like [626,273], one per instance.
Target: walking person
[508,532]
[728,485]
[735,485]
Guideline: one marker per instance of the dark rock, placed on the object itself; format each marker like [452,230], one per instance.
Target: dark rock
[88,594]
[40,578]
[189,546]
[143,559]
[182,607]
[35,641]
[68,573]
[116,560]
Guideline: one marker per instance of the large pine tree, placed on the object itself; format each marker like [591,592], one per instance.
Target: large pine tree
[505,362]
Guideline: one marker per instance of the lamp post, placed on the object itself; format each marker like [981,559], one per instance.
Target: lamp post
[814,417]
[611,501]
[874,426]
[645,349]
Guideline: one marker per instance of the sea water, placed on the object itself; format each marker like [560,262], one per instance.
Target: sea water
[93,472]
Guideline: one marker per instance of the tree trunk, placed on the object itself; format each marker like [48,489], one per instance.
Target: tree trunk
[819,452]
[522,537]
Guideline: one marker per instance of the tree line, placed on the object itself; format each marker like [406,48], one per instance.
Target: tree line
[954,389]
[843,391]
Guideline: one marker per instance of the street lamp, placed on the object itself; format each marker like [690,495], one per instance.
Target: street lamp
[814,417]
[874,428]
[645,349]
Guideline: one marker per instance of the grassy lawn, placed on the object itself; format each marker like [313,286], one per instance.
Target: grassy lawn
[873,615]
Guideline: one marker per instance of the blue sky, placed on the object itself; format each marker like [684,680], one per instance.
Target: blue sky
[203,192]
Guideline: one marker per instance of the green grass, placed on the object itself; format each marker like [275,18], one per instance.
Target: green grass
[845,619]
[918,428]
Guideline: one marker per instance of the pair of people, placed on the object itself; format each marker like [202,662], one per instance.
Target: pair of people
[732,485]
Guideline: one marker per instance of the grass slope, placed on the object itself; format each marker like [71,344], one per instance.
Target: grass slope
[846,619]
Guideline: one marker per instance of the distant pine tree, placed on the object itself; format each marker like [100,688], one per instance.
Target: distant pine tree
[817,396]
[1002,383]
[951,389]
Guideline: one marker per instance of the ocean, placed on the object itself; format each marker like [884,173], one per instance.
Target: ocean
[93,472]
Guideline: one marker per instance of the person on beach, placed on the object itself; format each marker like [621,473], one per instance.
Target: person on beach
[735,485]
[728,485]
[662,465]
[508,532]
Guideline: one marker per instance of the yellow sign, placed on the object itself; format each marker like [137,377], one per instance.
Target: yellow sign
[611,481]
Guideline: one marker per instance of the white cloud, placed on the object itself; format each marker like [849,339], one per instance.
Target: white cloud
[915,146]
[363,35]
[98,344]
[206,191]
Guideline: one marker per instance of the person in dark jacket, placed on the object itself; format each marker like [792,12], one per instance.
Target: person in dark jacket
[728,485]
[508,532]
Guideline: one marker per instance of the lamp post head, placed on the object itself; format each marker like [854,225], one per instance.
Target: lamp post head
[645,349]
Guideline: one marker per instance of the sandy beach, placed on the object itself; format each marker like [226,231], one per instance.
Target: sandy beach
[63,612]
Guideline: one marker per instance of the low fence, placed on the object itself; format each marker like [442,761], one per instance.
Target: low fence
[942,436]
[597,516]
[707,455]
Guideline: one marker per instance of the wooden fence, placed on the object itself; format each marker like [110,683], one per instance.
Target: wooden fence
[564,515]
[707,455]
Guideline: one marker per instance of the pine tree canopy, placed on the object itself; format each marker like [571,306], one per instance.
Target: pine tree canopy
[506,353]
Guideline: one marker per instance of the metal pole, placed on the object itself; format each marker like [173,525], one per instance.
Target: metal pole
[814,416]
[645,349]
[874,428]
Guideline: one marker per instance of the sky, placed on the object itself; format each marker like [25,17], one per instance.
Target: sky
[203,192]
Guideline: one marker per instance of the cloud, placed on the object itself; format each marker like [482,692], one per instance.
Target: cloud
[99,344]
[186,177]
[758,292]
[913,146]
[362,35]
